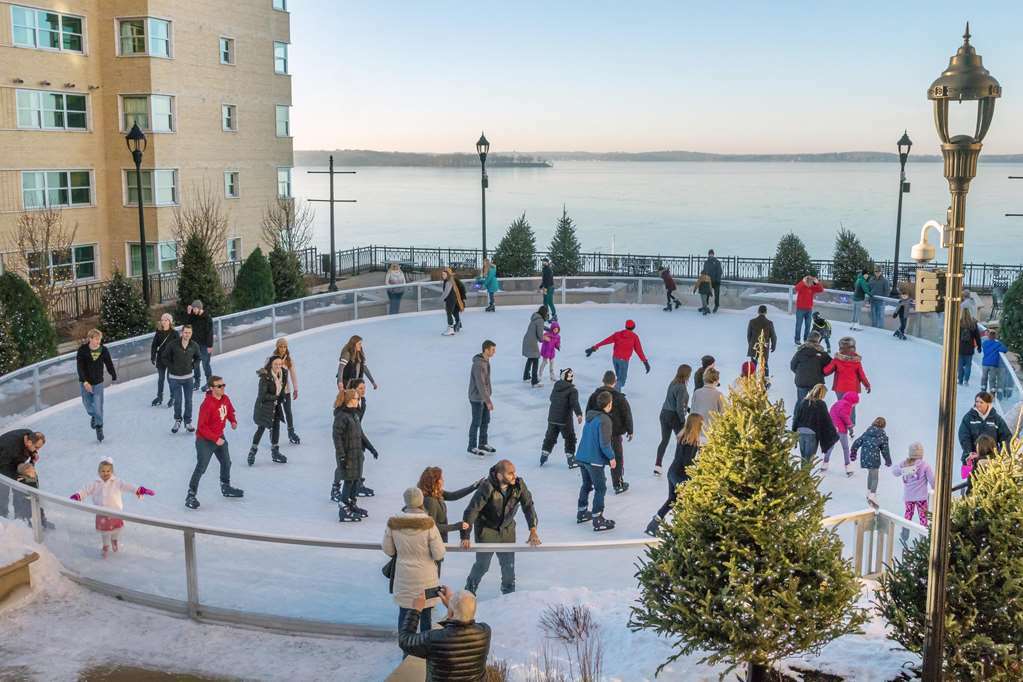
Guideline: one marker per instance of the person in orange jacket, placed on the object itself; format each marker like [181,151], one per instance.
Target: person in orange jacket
[847,366]
[626,342]
[806,289]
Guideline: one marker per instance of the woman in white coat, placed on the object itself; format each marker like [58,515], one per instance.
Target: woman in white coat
[413,537]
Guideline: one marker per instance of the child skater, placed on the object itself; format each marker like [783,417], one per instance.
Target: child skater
[549,347]
[564,404]
[874,445]
[901,311]
[822,327]
[106,492]
[917,479]
[841,417]
[703,287]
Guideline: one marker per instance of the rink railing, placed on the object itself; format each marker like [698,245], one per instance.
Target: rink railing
[873,540]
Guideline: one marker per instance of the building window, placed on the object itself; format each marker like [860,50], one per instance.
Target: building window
[283,120]
[280,57]
[51,110]
[226,50]
[229,114]
[160,257]
[47,30]
[153,113]
[231,189]
[284,182]
[159,187]
[74,264]
[42,189]
[234,249]
[144,36]
[281,5]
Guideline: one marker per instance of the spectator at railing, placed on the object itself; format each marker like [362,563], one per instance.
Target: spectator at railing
[806,289]
[991,365]
[458,650]
[413,540]
[395,279]
[19,451]
[712,266]
[879,288]
[861,291]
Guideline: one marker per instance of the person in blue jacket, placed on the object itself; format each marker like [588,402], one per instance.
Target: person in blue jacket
[594,453]
[990,366]
[488,280]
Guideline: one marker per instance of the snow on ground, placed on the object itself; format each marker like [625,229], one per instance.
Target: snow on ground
[417,418]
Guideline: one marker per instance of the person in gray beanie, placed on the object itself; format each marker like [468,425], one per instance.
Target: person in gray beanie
[202,334]
[413,539]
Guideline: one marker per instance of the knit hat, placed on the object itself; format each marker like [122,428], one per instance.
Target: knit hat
[847,342]
[630,324]
[413,498]
[567,374]
[555,327]
[916,450]
[197,304]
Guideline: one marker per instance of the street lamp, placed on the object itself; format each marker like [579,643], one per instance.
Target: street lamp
[904,145]
[136,141]
[482,148]
[965,79]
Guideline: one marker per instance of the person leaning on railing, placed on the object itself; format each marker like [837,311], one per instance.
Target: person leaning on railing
[19,451]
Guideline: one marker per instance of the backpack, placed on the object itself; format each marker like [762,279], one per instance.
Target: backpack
[965,335]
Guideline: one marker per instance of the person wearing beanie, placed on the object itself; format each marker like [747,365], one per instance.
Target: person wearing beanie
[808,365]
[669,290]
[547,288]
[917,480]
[626,342]
[706,362]
[847,366]
[841,417]
[564,405]
[202,333]
[414,542]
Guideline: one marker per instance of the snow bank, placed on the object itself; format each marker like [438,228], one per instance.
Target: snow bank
[15,542]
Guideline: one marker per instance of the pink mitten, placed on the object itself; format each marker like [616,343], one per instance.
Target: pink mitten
[144,491]
[76,497]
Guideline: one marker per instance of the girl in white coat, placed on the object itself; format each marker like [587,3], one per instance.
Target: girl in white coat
[413,537]
[106,492]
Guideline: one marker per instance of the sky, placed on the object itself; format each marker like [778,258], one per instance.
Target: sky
[727,77]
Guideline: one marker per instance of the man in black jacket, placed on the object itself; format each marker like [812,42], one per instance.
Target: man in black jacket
[92,357]
[19,450]
[982,420]
[491,513]
[547,287]
[455,652]
[202,333]
[712,266]
[760,329]
[182,359]
[564,404]
[621,425]
[808,365]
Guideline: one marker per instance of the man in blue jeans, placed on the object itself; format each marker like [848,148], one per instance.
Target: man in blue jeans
[879,289]
[181,356]
[594,453]
[805,289]
[202,334]
[92,357]
[479,400]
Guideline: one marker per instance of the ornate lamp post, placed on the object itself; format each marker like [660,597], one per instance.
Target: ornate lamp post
[136,141]
[904,145]
[482,148]
[965,79]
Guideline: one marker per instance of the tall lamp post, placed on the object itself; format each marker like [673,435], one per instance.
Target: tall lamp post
[965,79]
[136,141]
[904,145]
[482,148]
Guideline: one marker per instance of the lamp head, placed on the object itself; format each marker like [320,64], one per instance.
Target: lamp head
[135,139]
[904,144]
[483,147]
[964,80]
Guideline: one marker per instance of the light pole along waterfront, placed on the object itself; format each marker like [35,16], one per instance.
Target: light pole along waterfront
[136,141]
[483,148]
[904,145]
[965,79]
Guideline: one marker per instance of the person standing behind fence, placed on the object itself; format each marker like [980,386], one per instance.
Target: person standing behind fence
[991,364]
[165,333]
[712,266]
[92,357]
[880,287]
[671,303]
[806,289]
[490,283]
[182,358]
[395,281]
[202,332]
[547,287]
[531,346]
[19,451]
[861,291]
[453,295]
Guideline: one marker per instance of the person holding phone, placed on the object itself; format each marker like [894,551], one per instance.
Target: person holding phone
[458,649]
[413,538]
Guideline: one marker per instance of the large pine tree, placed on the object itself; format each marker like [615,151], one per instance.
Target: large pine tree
[34,335]
[791,261]
[254,285]
[564,250]
[289,282]
[850,260]
[515,255]
[744,570]
[984,583]
[198,279]
[1011,326]
[122,312]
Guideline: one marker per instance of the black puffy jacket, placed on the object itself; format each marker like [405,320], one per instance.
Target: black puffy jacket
[814,415]
[491,508]
[808,365]
[202,328]
[456,652]
[564,402]
[350,443]
[267,399]
[13,453]
[621,411]
[973,426]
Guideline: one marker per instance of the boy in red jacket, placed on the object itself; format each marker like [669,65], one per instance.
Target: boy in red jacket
[214,414]
[625,343]
[806,289]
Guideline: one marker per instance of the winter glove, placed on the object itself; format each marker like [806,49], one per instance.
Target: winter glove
[590,351]
[852,456]
[76,497]
[376,455]
[144,491]
[647,366]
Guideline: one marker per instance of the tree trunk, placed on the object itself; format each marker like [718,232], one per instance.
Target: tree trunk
[756,673]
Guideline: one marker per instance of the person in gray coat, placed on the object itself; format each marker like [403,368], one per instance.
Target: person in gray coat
[879,288]
[480,401]
[673,411]
[531,346]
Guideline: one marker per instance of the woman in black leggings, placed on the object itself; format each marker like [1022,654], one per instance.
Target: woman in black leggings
[281,351]
[673,411]
[268,412]
[685,455]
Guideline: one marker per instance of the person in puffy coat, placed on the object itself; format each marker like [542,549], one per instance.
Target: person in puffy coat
[350,444]
[871,447]
[626,342]
[621,427]
[165,333]
[531,346]
[841,416]
[847,366]
[549,348]
[455,652]
[917,480]
[268,410]
[106,492]
[412,537]
[671,302]
[564,405]
[982,420]
[808,365]
[812,422]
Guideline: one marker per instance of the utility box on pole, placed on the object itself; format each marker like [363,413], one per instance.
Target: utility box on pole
[930,291]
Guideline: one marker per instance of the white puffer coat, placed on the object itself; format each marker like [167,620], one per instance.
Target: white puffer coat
[414,536]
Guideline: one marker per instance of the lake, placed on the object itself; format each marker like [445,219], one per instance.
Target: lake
[670,208]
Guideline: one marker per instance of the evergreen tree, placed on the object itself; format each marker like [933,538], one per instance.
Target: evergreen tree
[515,255]
[122,312]
[198,279]
[288,280]
[564,249]
[744,570]
[983,592]
[850,260]
[791,261]
[1011,325]
[254,285]
[34,334]
[9,360]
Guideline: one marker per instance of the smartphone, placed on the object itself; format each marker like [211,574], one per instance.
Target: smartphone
[434,592]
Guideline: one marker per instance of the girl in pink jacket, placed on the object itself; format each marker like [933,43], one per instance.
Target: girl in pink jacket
[106,492]
[549,347]
[841,417]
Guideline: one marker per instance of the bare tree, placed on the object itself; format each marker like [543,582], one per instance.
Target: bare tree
[288,224]
[41,239]
[203,216]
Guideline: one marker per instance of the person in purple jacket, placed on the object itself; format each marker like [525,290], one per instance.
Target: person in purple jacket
[917,480]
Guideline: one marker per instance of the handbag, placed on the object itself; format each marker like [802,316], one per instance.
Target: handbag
[389,569]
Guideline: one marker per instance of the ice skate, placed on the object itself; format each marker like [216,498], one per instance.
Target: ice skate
[359,510]
[824,467]
[600,523]
[450,332]
[99,433]
[572,464]
[458,327]
[678,304]
[113,545]
[485,447]
[476,451]
[191,502]
[872,500]
[651,528]
[189,427]
[227,491]
[177,426]
[849,473]
[157,402]
[621,488]
[251,459]
[293,437]
[276,456]
[92,422]
[544,455]
[667,308]
[106,551]
[363,491]
[583,515]
[335,492]
[345,515]
[657,470]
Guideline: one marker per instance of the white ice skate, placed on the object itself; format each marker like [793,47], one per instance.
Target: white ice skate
[872,500]
[849,472]
[449,332]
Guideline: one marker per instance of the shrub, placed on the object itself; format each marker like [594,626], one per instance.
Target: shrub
[122,312]
[791,261]
[850,260]
[565,248]
[34,335]
[9,360]
[1011,325]
[199,280]
[515,254]
[288,280]
[254,285]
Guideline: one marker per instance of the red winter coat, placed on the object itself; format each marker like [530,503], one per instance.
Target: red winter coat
[669,281]
[213,417]
[626,342]
[848,371]
[805,294]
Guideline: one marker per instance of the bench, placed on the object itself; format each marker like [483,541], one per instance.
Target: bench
[16,574]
